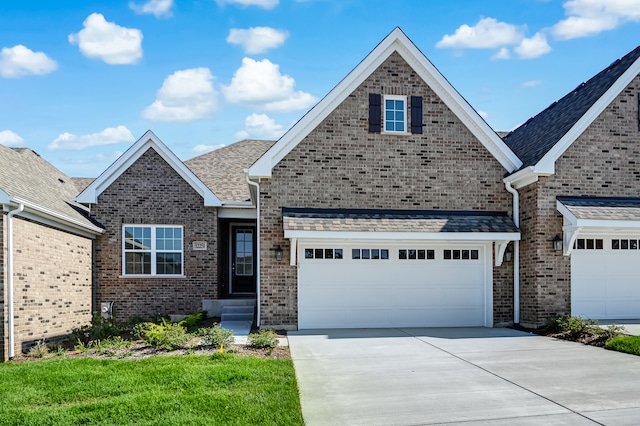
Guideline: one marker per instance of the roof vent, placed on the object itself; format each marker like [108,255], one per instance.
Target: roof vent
[61,180]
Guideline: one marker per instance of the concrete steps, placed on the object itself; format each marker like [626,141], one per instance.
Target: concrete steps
[235,314]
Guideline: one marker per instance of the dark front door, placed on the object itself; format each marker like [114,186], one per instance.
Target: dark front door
[243,260]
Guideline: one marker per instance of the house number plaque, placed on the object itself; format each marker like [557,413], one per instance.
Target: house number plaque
[199,245]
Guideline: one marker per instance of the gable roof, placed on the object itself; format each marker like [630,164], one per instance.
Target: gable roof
[222,170]
[543,139]
[46,192]
[398,42]
[148,141]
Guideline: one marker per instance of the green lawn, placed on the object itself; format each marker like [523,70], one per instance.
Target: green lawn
[186,390]
[628,344]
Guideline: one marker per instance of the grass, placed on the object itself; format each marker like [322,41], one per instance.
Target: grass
[185,390]
[628,344]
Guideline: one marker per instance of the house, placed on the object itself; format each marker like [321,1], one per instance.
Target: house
[45,253]
[391,203]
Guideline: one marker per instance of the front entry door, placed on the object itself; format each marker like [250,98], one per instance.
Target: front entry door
[243,262]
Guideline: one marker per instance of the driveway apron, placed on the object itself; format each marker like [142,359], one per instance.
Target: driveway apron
[471,376]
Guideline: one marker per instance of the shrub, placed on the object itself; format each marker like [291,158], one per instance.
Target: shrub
[166,335]
[40,350]
[571,326]
[100,328]
[192,322]
[263,339]
[216,336]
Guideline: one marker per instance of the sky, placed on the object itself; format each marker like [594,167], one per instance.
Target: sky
[82,80]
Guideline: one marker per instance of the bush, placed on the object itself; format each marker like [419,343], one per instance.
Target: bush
[40,350]
[216,336]
[263,339]
[192,322]
[166,335]
[100,328]
[574,327]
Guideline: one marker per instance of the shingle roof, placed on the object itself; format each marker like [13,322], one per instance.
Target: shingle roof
[82,183]
[364,220]
[24,174]
[222,170]
[602,208]
[532,140]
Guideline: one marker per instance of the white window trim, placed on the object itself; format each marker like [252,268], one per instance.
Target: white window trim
[385,98]
[152,250]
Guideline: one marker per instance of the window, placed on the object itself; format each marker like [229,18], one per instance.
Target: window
[395,114]
[410,254]
[311,253]
[588,244]
[461,254]
[624,244]
[152,250]
[375,254]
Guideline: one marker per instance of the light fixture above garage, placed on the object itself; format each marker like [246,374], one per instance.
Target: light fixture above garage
[557,242]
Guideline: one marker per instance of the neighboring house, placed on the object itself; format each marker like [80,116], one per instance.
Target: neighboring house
[580,183]
[391,203]
[45,253]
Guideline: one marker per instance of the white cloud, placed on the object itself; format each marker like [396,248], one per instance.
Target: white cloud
[590,17]
[532,83]
[265,4]
[259,84]
[260,126]
[109,136]
[483,114]
[9,138]
[257,39]
[185,95]
[202,148]
[487,33]
[158,8]
[533,47]
[503,53]
[19,60]
[107,41]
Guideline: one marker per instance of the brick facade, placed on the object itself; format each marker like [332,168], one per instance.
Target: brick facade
[52,284]
[341,165]
[602,162]
[152,192]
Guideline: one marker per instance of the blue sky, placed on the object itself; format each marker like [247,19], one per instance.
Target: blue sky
[81,80]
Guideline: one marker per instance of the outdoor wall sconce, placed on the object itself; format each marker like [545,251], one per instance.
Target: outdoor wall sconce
[557,242]
[508,255]
[278,251]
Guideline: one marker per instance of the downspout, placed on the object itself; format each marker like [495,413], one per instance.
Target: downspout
[10,277]
[257,185]
[516,255]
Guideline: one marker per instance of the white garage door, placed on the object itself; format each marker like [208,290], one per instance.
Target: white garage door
[392,285]
[605,277]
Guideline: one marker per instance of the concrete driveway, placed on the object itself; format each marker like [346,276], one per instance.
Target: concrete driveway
[470,376]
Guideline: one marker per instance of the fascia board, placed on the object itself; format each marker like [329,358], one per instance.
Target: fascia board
[442,236]
[53,218]
[148,140]
[547,163]
[399,42]
[594,223]
[570,217]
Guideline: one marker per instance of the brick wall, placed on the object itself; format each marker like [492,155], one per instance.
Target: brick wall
[52,283]
[151,192]
[341,165]
[602,162]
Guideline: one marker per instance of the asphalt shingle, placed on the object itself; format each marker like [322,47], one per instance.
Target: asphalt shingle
[602,208]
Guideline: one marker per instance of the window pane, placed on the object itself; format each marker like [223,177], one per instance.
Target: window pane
[375,254]
[308,253]
[169,263]
[402,254]
[456,254]
[388,104]
[389,116]
[421,254]
[465,254]
[590,244]
[328,253]
[355,253]
[365,253]
[399,116]
[138,263]
[389,126]
[633,244]
[615,244]
[580,243]
[599,244]
[624,244]
[447,254]
[400,105]
[474,254]
[412,254]
[431,254]
[319,254]
[400,126]
[384,254]
[338,253]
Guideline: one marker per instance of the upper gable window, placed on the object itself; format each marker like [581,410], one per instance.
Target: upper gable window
[152,250]
[395,114]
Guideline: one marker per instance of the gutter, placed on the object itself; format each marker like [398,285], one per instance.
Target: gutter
[257,186]
[516,254]
[10,216]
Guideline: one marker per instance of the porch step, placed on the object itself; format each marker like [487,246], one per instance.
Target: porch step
[238,318]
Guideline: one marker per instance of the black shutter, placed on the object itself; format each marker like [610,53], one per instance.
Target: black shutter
[375,112]
[416,114]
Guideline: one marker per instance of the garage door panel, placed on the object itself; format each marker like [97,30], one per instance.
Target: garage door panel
[393,292]
[605,283]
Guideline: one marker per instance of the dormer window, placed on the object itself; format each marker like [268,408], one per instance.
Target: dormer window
[395,114]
